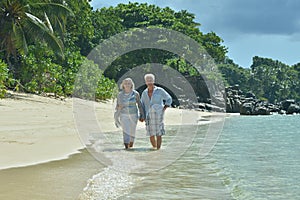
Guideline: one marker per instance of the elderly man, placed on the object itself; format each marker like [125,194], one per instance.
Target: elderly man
[155,101]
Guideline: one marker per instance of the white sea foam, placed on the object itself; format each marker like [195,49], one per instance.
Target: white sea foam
[108,185]
[115,180]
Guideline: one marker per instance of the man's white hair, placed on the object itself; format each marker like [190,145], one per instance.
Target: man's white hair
[149,76]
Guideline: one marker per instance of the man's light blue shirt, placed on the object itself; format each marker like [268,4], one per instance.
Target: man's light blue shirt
[159,95]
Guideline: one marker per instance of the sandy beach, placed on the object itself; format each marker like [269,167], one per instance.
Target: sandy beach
[36,130]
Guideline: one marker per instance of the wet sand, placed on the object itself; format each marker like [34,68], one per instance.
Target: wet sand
[56,180]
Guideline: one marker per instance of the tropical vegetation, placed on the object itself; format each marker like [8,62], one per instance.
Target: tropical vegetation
[45,43]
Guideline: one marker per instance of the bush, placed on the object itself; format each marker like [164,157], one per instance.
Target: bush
[41,73]
[106,88]
[92,84]
[3,78]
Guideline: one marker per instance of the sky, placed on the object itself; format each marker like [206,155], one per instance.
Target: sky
[265,28]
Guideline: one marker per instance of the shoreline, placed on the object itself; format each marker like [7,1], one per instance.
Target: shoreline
[36,129]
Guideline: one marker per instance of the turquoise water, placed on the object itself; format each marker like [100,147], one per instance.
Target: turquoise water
[259,157]
[254,158]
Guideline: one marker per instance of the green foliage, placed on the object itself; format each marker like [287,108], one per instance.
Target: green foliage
[270,80]
[70,66]
[40,75]
[28,22]
[234,74]
[296,70]
[86,82]
[91,84]
[80,30]
[106,88]
[212,44]
[112,20]
[274,80]
[132,59]
[105,25]
[3,78]
[182,66]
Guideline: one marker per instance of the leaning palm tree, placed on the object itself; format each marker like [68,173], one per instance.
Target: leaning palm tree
[23,22]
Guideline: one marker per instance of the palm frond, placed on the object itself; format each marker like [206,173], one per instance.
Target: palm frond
[11,13]
[48,22]
[42,32]
[57,7]
[20,41]
[57,14]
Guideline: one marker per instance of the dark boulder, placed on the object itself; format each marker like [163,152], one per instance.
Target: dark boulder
[214,108]
[233,99]
[293,108]
[261,111]
[233,105]
[246,109]
[250,95]
[286,104]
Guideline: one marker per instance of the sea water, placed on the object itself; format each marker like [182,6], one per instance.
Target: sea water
[259,157]
[255,157]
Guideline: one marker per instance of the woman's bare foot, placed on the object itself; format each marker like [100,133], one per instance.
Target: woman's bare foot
[126,145]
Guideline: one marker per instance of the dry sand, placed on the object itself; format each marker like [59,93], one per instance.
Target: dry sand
[36,129]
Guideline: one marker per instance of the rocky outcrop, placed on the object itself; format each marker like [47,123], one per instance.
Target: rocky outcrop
[236,101]
[233,99]
[247,104]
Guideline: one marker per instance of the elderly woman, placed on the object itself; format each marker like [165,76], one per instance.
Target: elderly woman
[126,115]
[154,101]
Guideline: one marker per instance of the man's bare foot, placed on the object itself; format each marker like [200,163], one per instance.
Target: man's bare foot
[130,144]
[154,148]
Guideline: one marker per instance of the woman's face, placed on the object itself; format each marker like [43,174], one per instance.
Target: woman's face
[127,85]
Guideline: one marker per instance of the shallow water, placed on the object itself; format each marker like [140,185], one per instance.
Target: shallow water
[174,172]
[254,158]
[259,157]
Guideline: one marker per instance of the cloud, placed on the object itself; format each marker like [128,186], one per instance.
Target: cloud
[252,16]
[256,16]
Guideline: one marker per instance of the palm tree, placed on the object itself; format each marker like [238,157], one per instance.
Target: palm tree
[23,22]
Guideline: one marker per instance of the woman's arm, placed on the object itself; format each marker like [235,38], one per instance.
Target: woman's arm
[119,103]
[117,112]
[140,106]
[143,109]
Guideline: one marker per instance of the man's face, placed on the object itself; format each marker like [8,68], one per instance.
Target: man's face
[149,81]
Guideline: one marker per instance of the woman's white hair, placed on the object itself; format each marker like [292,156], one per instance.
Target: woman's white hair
[125,80]
[149,76]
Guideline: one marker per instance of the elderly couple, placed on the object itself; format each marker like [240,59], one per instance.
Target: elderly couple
[151,107]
